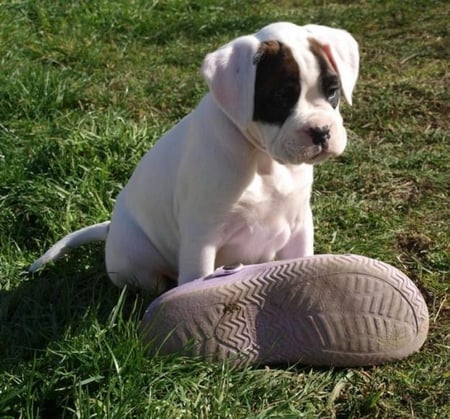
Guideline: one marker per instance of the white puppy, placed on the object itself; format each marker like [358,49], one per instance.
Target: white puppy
[231,182]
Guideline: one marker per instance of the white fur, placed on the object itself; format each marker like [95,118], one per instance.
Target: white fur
[219,188]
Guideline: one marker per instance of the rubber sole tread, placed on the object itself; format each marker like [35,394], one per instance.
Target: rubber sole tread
[341,310]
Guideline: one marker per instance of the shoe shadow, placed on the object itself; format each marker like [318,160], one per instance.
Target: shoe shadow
[57,302]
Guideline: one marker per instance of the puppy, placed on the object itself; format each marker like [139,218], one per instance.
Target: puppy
[231,182]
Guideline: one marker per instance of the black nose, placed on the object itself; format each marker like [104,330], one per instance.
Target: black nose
[320,135]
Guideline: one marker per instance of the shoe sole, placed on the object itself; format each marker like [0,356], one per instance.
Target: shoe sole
[325,310]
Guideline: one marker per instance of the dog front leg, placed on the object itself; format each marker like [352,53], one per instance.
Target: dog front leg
[301,243]
[196,260]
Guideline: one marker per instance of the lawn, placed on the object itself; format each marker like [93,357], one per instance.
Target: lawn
[86,87]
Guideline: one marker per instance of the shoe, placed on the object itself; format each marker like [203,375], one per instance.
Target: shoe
[324,310]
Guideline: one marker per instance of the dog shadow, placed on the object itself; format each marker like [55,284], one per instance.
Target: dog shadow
[60,301]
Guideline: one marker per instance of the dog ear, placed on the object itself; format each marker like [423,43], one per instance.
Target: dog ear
[342,51]
[230,75]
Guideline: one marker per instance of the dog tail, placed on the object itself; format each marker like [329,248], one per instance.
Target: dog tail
[96,232]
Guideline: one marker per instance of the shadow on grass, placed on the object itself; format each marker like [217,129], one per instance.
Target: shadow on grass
[58,302]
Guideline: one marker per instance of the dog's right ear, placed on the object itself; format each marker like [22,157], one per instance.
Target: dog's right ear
[230,74]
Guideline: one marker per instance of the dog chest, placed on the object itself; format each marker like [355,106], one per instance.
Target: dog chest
[268,212]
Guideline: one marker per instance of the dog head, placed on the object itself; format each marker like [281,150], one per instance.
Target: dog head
[282,87]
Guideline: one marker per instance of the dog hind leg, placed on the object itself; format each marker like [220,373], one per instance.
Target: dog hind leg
[131,259]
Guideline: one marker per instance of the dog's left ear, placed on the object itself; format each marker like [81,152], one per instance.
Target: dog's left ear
[342,51]
[230,75]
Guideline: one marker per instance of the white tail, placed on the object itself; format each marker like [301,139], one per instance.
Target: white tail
[96,232]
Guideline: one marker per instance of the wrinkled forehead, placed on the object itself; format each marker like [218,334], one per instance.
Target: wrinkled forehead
[295,37]
[282,31]
[303,48]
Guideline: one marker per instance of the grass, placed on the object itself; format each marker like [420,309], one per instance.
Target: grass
[87,87]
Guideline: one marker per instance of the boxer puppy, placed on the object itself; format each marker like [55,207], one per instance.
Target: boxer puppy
[231,182]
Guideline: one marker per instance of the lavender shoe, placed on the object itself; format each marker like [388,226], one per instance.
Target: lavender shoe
[339,310]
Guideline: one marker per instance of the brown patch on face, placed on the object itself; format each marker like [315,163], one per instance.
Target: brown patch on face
[329,79]
[277,84]
[324,60]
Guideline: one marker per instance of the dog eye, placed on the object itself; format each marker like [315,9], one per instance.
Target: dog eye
[331,88]
[333,95]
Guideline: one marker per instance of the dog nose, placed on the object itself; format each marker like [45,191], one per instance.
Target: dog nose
[320,135]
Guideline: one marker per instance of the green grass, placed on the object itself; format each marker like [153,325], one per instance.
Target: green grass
[86,87]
